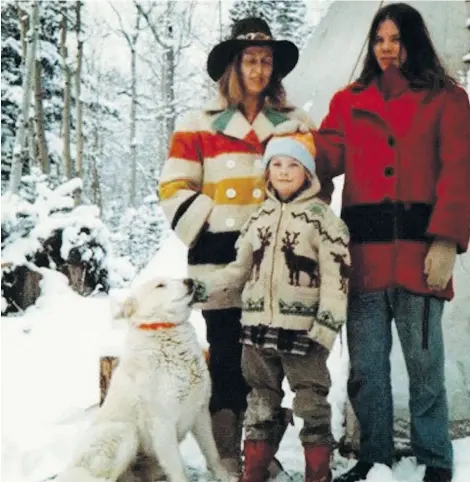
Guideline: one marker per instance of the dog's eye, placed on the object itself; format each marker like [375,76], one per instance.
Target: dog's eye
[160,285]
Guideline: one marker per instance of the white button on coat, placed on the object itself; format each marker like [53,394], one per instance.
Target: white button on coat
[230,222]
[230,164]
[231,193]
[257,193]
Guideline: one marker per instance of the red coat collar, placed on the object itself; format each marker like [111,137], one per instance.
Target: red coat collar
[392,83]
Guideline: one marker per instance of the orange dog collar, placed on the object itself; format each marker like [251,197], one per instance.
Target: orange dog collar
[155,326]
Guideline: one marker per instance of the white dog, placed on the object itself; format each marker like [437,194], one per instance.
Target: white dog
[158,393]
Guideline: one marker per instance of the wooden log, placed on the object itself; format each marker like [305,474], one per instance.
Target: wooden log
[107,367]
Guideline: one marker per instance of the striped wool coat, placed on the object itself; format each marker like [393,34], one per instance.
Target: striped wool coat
[214,179]
[406,158]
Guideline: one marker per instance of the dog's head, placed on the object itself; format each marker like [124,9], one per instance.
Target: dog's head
[159,300]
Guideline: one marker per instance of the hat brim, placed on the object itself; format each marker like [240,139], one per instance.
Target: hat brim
[285,55]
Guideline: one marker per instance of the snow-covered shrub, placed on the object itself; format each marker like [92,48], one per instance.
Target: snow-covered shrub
[140,232]
[48,230]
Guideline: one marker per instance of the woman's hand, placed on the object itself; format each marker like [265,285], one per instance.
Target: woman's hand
[439,264]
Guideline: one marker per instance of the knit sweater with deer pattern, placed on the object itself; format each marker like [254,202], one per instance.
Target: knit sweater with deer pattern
[293,261]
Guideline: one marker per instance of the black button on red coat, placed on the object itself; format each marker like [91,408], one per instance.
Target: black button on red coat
[389,171]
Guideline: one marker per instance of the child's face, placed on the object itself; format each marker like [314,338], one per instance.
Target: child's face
[286,175]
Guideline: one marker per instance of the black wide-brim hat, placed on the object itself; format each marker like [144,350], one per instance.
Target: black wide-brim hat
[249,32]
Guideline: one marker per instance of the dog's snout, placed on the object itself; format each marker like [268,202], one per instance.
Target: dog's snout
[189,283]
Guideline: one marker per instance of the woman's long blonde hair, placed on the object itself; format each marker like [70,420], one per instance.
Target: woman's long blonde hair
[232,91]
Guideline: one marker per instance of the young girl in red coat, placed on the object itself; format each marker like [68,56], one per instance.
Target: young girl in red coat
[401,136]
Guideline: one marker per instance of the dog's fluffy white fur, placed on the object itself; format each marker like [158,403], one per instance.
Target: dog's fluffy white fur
[158,393]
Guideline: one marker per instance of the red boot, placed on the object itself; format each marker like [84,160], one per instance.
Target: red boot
[258,455]
[317,463]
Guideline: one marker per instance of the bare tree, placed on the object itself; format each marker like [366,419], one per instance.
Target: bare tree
[40,122]
[171,30]
[78,100]
[132,39]
[20,153]
[67,93]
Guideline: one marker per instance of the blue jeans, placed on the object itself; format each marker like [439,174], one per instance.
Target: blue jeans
[418,322]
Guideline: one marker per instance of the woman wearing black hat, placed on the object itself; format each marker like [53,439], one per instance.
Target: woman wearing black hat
[211,183]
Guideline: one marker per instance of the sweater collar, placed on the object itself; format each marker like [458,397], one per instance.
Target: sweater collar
[304,193]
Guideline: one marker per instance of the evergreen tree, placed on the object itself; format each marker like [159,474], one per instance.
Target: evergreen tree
[47,53]
[264,9]
[290,21]
[286,18]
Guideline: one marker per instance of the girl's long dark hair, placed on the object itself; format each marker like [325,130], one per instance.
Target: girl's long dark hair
[422,67]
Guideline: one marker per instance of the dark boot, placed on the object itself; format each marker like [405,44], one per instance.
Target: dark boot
[258,455]
[358,472]
[437,474]
[226,427]
[317,462]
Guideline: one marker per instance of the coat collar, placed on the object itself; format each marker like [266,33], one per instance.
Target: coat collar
[231,122]
[392,83]
[372,100]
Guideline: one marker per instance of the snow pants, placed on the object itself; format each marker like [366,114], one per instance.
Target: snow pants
[309,379]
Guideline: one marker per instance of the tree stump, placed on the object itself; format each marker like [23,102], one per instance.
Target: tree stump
[20,286]
[77,278]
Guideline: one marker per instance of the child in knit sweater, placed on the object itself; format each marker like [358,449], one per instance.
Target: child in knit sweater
[293,264]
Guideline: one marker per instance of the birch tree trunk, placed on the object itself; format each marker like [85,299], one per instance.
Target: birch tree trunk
[172,41]
[79,104]
[169,71]
[67,95]
[40,123]
[132,140]
[131,40]
[20,153]
[31,141]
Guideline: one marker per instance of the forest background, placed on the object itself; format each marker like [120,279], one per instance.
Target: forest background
[91,90]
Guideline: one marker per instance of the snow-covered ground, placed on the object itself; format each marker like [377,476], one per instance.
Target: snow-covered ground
[50,379]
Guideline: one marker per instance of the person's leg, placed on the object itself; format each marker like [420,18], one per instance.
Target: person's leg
[229,389]
[419,324]
[369,385]
[263,372]
[309,379]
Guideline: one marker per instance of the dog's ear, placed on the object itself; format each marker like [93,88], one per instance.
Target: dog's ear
[127,308]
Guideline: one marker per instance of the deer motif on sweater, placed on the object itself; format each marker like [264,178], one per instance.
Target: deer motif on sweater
[264,235]
[344,270]
[297,263]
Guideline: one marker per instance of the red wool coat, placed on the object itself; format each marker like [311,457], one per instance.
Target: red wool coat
[406,159]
